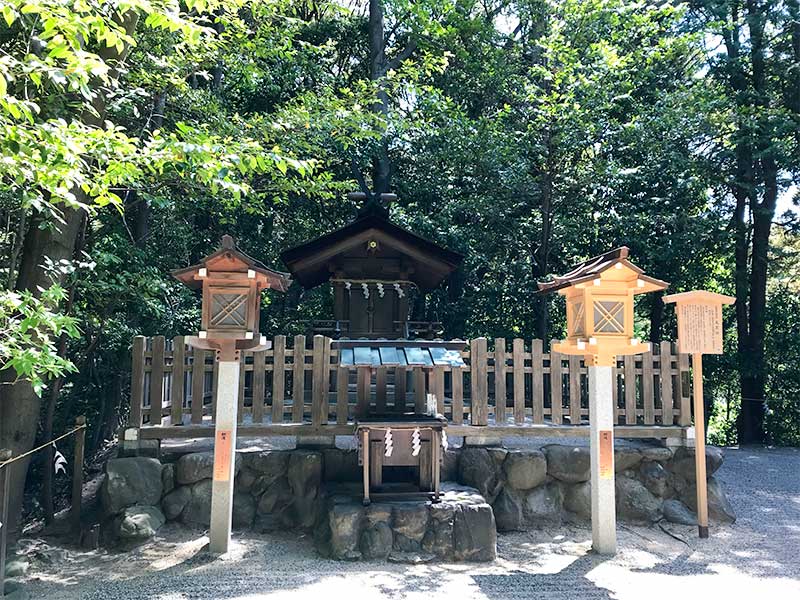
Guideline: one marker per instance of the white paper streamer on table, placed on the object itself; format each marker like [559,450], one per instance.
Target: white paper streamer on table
[445,445]
[365,288]
[380,289]
[399,290]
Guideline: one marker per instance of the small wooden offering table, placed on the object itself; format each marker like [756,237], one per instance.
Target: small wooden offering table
[400,440]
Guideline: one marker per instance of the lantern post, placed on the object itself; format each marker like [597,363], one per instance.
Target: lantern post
[699,332]
[599,294]
[231,284]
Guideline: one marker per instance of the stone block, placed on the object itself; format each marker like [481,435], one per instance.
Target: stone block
[525,470]
[131,481]
[568,463]
[193,467]
[474,533]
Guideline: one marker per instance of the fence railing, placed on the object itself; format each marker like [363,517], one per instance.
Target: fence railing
[502,384]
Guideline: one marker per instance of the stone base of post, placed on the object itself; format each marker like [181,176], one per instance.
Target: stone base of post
[601,419]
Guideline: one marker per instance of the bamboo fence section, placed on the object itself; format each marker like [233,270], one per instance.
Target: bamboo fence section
[502,385]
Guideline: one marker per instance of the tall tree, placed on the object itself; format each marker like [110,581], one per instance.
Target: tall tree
[757,66]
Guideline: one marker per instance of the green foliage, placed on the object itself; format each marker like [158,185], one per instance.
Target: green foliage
[601,123]
[29,331]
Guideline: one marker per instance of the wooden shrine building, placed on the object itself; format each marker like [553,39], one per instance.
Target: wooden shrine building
[376,268]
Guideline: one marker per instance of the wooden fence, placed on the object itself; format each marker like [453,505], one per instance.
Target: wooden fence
[506,388]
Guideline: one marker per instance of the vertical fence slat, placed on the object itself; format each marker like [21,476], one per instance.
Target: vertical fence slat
[438,388]
[667,401]
[317,367]
[458,395]
[380,390]
[400,389]
[214,386]
[574,390]
[647,387]
[137,381]
[178,367]
[500,380]
[299,378]
[198,384]
[419,390]
[342,394]
[326,379]
[518,356]
[362,390]
[629,375]
[278,377]
[685,417]
[537,382]
[157,380]
[556,385]
[479,393]
[259,376]
[240,398]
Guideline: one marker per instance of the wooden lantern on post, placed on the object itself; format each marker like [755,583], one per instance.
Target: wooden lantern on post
[232,283]
[599,294]
[699,332]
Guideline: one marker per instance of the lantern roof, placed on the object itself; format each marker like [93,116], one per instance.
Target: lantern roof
[230,259]
[595,268]
[309,262]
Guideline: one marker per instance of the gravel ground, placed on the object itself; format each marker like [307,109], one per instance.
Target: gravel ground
[755,558]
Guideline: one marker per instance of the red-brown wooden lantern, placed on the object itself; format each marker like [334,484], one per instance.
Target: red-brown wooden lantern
[232,283]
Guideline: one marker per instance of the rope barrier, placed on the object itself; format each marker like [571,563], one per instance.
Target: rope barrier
[45,445]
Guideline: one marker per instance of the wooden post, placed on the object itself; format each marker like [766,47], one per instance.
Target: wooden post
[365,457]
[601,424]
[278,377]
[224,457]
[500,381]
[5,478]
[157,380]
[178,380]
[700,447]
[137,381]
[77,477]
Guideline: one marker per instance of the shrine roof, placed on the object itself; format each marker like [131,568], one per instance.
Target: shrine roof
[308,262]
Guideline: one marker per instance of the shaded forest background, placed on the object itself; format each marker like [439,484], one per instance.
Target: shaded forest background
[525,134]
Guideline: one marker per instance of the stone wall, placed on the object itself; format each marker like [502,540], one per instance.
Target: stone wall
[296,489]
[536,488]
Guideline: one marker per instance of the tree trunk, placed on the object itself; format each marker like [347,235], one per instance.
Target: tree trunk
[656,317]
[381,166]
[19,405]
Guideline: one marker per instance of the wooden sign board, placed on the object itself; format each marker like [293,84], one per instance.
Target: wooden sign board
[222,456]
[699,321]
[606,454]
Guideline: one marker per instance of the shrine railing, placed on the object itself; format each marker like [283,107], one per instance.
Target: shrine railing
[301,389]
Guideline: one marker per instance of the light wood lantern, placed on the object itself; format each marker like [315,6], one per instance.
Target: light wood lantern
[231,283]
[599,294]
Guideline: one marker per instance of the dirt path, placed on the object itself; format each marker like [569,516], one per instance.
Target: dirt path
[755,558]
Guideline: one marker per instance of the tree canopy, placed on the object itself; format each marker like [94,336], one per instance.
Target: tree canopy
[525,134]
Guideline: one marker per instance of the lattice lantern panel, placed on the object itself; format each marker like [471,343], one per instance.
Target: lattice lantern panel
[229,310]
[609,316]
[576,317]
